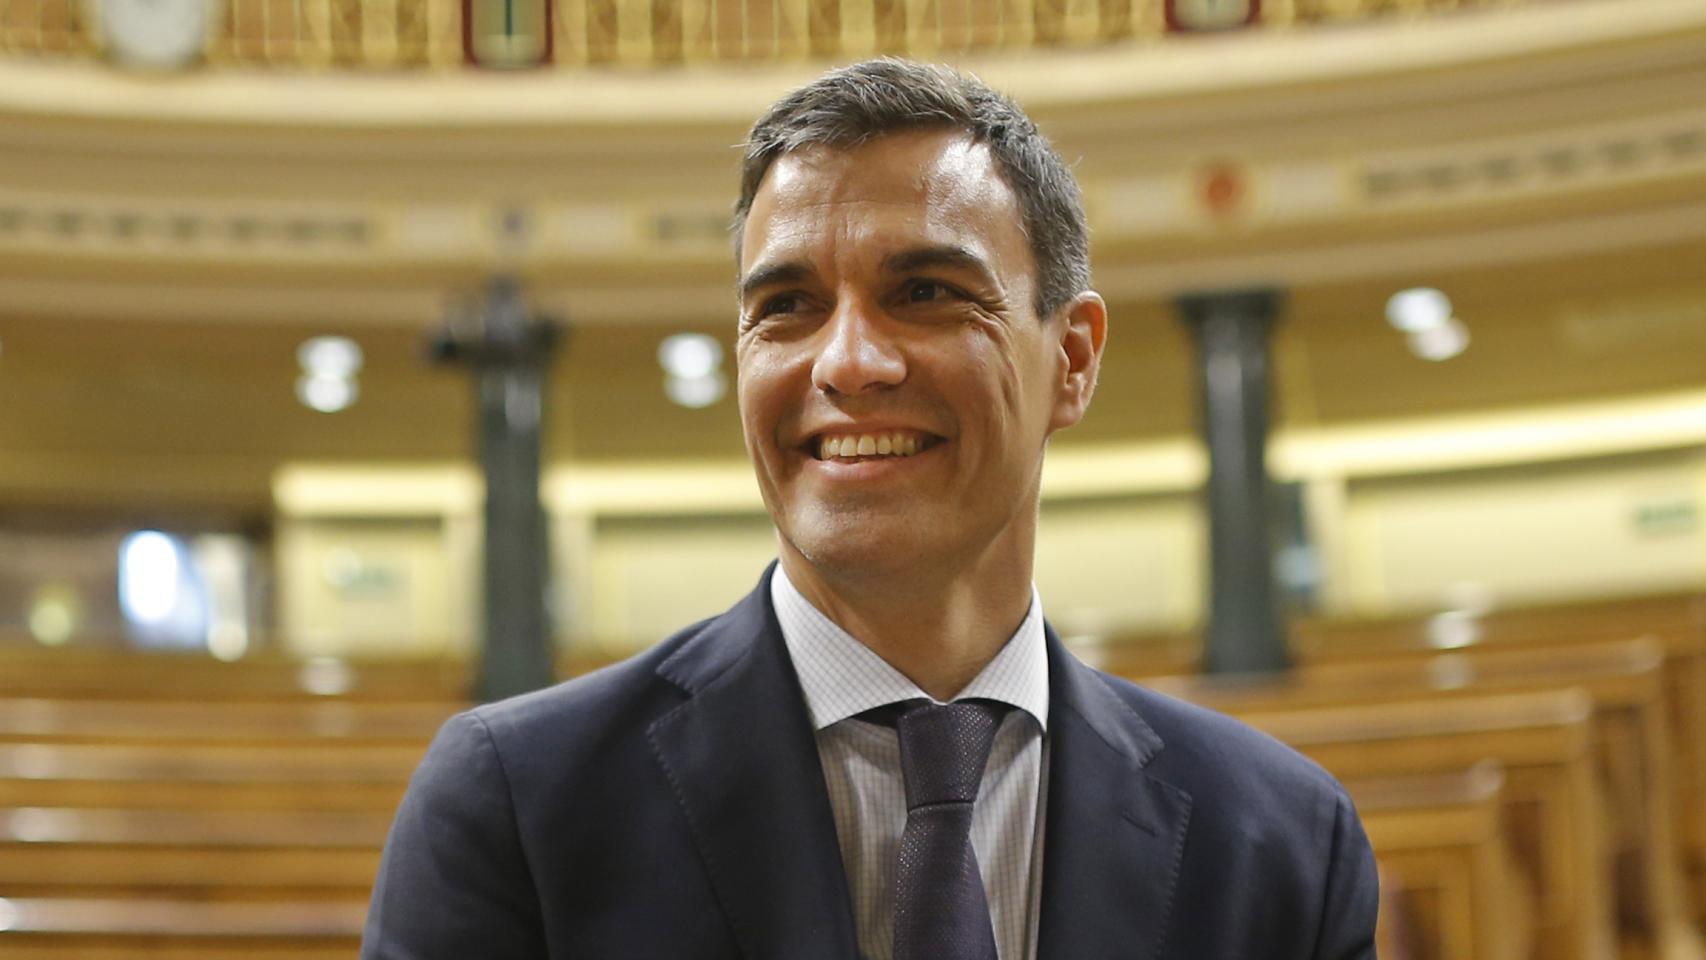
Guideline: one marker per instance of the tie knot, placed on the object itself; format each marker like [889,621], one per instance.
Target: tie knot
[943,749]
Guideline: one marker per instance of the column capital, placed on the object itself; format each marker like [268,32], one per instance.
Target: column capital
[1256,304]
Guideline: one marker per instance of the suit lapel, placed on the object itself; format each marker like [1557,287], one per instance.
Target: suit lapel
[1114,834]
[743,760]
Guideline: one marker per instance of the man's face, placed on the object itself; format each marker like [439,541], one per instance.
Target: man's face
[896,385]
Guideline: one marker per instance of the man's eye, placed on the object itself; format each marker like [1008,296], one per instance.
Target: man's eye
[925,291]
[786,303]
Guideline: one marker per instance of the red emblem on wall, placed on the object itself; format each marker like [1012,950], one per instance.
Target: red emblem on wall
[1223,189]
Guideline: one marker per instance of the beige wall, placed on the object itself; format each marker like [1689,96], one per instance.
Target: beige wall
[1527,535]
[631,569]
[1121,563]
[651,576]
[1130,563]
[353,587]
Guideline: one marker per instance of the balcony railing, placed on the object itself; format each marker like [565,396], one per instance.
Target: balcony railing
[427,34]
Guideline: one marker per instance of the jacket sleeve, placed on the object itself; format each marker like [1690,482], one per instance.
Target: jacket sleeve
[453,882]
[1353,891]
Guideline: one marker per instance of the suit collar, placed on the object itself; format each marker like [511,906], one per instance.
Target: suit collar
[1115,834]
[1084,693]
[843,678]
[742,758]
[723,642]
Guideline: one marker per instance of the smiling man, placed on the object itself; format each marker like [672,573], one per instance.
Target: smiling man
[901,371]
[883,751]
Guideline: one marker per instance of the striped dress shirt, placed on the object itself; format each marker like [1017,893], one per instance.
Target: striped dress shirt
[842,678]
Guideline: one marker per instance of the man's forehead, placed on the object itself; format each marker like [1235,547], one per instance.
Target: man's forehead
[907,157]
[928,176]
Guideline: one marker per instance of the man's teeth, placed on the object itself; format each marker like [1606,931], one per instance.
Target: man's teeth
[896,444]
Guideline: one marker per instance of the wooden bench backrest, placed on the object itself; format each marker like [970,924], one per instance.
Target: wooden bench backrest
[93,674]
[1449,888]
[39,720]
[1543,740]
[103,929]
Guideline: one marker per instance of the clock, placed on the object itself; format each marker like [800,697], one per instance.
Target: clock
[1190,16]
[153,34]
[506,34]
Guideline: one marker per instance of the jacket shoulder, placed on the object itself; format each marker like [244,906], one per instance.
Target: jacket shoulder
[1205,750]
[1275,843]
[610,692]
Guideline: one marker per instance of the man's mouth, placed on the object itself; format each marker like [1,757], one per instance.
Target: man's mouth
[885,443]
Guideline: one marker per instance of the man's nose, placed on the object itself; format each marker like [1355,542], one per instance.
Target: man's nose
[859,352]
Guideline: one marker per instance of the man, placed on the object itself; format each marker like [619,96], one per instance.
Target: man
[784,780]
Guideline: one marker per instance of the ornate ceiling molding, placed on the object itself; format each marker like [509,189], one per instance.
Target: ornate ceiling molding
[703,95]
[1296,157]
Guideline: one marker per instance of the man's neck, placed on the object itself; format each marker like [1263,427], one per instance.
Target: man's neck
[940,632]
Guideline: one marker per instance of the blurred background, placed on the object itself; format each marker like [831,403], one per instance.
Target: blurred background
[237,466]
[173,244]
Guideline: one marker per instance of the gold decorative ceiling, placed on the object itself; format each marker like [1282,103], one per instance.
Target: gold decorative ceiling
[167,239]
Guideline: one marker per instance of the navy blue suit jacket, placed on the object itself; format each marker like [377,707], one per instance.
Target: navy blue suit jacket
[673,807]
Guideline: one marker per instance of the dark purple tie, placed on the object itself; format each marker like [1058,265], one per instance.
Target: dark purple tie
[940,910]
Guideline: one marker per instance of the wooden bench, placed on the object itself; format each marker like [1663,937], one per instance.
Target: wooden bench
[1449,889]
[128,675]
[1630,739]
[156,829]
[189,854]
[1663,613]
[1551,802]
[1438,838]
[1139,654]
[164,847]
[100,929]
[40,720]
[1678,628]
[28,670]
[1676,622]
[206,776]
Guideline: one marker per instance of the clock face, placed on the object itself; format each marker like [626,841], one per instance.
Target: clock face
[506,33]
[156,34]
[1210,14]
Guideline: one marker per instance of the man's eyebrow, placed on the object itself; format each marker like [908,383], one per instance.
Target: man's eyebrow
[771,274]
[945,255]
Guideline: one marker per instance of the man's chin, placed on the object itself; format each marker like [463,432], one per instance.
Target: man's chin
[864,550]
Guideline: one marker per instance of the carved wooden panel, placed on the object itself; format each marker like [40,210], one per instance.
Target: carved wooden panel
[390,34]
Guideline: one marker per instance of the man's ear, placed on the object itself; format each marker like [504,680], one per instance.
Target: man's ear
[1083,332]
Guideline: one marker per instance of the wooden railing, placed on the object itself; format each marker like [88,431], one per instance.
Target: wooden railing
[427,34]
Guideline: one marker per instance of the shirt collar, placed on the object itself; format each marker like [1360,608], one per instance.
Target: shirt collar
[842,677]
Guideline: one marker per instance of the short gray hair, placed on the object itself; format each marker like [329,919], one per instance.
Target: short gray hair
[856,104]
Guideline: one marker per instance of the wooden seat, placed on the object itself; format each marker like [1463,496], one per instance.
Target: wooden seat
[211,763]
[1551,802]
[197,854]
[1676,623]
[245,826]
[260,843]
[100,929]
[1449,888]
[1630,740]
[128,675]
[41,720]
[1140,654]
[206,776]
[1681,613]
